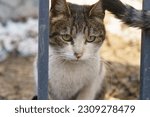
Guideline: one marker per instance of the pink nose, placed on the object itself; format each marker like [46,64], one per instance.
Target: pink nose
[78,55]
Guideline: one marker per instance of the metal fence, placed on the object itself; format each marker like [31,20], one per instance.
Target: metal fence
[43,54]
[145,60]
[43,50]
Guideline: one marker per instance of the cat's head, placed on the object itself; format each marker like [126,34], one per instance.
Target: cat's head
[76,32]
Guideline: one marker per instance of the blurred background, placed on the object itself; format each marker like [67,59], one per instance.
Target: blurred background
[18,47]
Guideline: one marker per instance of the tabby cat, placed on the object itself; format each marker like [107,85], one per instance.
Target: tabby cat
[76,35]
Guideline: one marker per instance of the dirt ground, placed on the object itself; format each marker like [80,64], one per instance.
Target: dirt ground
[122,60]
[122,79]
[16,78]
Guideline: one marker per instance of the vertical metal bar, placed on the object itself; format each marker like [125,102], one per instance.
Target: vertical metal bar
[43,49]
[145,60]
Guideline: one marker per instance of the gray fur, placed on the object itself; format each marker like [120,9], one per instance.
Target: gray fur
[136,18]
[75,68]
[128,14]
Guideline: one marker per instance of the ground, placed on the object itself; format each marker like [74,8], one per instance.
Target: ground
[16,78]
[122,80]
[123,68]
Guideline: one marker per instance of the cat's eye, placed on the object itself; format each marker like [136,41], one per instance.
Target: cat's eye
[66,37]
[91,39]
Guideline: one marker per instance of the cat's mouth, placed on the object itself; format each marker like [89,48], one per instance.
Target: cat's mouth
[74,61]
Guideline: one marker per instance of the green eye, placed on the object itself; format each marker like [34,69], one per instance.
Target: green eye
[91,39]
[66,37]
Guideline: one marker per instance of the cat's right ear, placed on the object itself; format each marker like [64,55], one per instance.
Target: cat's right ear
[59,7]
[97,10]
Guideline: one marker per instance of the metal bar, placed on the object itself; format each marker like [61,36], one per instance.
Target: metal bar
[43,49]
[145,60]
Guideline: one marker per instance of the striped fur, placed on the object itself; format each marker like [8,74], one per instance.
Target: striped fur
[75,68]
[128,14]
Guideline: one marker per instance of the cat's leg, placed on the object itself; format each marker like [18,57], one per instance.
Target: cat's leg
[88,92]
[91,91]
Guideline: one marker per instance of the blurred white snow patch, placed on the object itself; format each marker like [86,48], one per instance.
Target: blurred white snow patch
[17,28]
[27,47]
[79,2]
[116,27]
[18,37]
[32,28]
[11,42]
[134,3]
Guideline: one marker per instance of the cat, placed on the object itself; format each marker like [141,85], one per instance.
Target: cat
[76,35]
[128,14]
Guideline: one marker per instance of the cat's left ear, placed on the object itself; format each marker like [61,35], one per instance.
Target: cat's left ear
[97,10]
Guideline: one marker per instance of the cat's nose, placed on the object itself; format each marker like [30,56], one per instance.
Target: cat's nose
[78,55]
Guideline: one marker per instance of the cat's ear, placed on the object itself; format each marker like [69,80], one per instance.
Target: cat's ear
[97,10]
[59,7]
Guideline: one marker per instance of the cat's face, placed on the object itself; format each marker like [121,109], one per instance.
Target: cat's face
[76,32]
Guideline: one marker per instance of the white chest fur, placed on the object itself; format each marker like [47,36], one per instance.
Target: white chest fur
[67,78]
